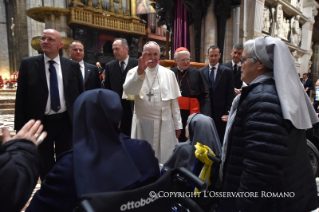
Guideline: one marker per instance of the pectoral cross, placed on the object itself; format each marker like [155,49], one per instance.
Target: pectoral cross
[149,95]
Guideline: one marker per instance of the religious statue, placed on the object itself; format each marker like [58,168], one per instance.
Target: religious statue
[144,7]
[279,21]
[286,28]
[266,20]
[295,35]
[12,27]
[294,2]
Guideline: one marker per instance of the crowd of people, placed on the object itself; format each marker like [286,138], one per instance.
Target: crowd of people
[111,134]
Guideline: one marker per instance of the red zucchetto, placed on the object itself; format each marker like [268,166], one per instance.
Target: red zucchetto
[181,49]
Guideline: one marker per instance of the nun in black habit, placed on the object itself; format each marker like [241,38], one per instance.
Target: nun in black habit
[200,129]
[102,159]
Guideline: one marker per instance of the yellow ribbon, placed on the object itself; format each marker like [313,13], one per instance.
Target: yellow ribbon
[201,154]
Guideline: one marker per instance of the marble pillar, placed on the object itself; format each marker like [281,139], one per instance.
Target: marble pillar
[228,43]
[251,14]
[4,56]
[310,8]
[315,62]
[209,32]
[35,28]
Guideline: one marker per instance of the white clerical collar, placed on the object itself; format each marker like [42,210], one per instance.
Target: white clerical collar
[153,69]
[181,69]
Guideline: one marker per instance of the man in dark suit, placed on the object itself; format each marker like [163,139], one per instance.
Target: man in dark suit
[99,67]
[235,65]
[222,89]
[192,86]
[101,70]
[47,88]
[115,74]
[89,72]
[307,83]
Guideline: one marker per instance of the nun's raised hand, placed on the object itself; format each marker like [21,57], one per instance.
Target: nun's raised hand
[30,131]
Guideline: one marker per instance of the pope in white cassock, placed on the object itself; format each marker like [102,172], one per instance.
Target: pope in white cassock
[154,90]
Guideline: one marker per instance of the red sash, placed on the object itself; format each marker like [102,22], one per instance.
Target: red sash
[191,104]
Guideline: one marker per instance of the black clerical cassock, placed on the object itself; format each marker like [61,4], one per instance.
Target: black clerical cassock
[194,90]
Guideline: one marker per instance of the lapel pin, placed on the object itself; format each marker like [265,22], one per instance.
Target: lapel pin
[88,69]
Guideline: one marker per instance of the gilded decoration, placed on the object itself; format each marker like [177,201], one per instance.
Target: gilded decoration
[36,43]
[105,22]
[44,13]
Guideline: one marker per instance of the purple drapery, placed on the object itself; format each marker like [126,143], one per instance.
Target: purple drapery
[181,29]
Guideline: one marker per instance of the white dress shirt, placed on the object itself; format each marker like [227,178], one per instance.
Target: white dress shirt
[82,69]
[216,68]
[57,65]
[234,64]
[125,62]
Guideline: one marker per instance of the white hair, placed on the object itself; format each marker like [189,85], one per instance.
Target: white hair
[151,42]
[181,52]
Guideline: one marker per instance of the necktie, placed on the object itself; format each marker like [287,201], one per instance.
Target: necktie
[54,89]
[235,68]
[212,77]
[122,66]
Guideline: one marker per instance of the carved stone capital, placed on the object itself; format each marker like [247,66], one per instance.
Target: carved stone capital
[44,13]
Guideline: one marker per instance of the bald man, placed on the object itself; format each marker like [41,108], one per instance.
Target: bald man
[47,88]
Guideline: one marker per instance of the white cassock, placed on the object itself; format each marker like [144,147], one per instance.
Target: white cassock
[155,117]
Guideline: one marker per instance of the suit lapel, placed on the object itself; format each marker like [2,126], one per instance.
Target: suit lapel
[86,73]
[218,76]
[118,68]
[64,70]
[206,73]
[40,67]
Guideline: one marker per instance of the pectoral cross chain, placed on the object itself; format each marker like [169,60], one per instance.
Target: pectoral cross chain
[149,95]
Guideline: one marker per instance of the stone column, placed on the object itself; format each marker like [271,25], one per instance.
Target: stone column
[236,22]
[310,10]
[4,56]
[17,44]
[254,15]
[315,62]
[229,36]
[209,32]
[35,28]
[53,18]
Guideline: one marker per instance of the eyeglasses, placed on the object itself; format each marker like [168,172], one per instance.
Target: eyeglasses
[49,40]
[186,60]
[242,60]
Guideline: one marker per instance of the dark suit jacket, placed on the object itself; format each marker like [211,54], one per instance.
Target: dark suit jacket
[32,92]
[308,84]
[237,81]
[114,79]
[223,94]
[91,77]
